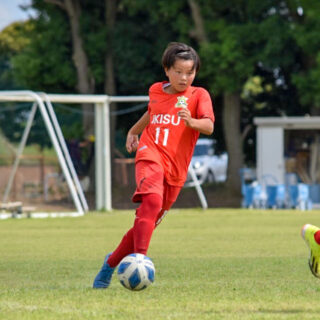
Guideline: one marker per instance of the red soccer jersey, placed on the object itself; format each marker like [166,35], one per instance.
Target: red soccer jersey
[167,140]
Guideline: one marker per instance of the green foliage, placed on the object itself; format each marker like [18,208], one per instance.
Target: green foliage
[12,38]
[246,39]
[308,84]
[307,35]
[242,38]
[134,64]
[278,51]
[40,60]
[45,64]
[95,33]
[226,63]
[12,41]
[150,25]
[213,264]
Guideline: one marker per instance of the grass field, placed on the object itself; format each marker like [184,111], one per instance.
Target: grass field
[217,264]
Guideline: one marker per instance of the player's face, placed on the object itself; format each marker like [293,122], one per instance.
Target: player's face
[181,75]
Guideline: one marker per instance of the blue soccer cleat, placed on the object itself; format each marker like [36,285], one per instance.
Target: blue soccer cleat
[103,278]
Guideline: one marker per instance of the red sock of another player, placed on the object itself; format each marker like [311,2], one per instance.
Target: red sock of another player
[145,221]
[317,237]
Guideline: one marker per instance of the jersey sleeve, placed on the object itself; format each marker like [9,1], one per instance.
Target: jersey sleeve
[152,90]
[205,106]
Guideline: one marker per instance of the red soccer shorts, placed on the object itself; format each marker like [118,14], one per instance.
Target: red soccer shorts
[150,179]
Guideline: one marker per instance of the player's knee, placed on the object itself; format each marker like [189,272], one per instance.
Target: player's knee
[152,202]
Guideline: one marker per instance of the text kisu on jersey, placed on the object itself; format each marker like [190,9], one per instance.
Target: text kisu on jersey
[166,119]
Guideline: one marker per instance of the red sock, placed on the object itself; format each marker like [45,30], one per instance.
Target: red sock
[124,248]
[317,237]
[145,221]
[137,239]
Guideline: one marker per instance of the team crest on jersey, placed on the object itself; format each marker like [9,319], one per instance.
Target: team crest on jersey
[182,102]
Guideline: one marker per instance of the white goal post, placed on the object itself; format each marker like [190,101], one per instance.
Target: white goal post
[102,141]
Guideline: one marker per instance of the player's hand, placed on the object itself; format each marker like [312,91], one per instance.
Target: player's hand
[185,115]
[132,142]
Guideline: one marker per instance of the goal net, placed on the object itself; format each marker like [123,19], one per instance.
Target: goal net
[44,163]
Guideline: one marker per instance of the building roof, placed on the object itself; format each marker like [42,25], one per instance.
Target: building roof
[306,122]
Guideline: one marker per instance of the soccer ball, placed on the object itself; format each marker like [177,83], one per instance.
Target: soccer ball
[136,271]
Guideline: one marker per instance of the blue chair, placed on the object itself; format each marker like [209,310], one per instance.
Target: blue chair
[293,196]
[304,201]
[281,197]
[271,196]
[299,197]
[247,195]
[259,198]
[315,193]
[276,196]
[247,188]
[253,196]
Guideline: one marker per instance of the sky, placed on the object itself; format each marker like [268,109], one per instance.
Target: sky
[10,12]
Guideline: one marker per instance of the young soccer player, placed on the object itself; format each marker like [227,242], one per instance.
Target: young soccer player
[311,234]
[177,113]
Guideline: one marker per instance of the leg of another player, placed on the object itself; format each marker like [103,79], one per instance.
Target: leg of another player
[311,234]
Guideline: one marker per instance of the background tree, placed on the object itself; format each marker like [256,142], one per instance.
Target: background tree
[305,26]
[85,80]
[14,39]
[244,40]
[255,54]
[230,55]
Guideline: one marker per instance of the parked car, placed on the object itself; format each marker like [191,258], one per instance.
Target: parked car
[208,166]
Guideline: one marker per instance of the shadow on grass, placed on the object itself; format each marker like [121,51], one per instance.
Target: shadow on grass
[286,311]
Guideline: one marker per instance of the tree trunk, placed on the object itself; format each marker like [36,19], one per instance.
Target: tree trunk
[232,134]
[199,33]
[111,11]
[85,80]
[110,86]
[231,111]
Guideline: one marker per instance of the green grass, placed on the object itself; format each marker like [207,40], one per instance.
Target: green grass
[217,264]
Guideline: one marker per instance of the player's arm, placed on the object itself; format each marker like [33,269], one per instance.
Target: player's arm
[133,134]
[204,125]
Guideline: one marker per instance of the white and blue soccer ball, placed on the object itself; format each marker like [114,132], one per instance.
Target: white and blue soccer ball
[136,271]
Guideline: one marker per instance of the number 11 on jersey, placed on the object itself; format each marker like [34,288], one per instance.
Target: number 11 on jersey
[165,137]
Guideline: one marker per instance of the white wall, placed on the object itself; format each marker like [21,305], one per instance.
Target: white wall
[270,158]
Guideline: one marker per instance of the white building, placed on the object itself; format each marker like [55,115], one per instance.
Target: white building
[288,145]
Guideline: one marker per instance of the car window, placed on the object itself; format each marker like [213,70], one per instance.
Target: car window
[202,150]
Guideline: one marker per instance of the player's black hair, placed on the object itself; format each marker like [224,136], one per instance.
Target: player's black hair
[178,50]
